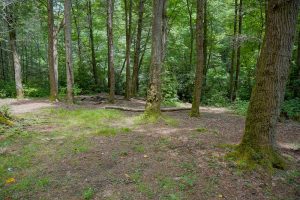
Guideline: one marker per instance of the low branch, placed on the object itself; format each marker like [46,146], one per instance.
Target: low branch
[142,109]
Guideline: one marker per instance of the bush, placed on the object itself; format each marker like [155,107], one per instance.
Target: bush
[291,109]
[30,91]
[216,98]
[240,107]
[169,88]
[7,90]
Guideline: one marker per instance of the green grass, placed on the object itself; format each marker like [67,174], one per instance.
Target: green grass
[156,118]
[88,193]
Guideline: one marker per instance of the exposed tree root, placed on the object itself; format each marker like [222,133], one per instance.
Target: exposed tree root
[142,109]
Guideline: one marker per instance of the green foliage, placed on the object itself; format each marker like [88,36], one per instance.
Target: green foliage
[88,193]
[7,89]
[169,88]
[292,108]
[36,91]
[240,107]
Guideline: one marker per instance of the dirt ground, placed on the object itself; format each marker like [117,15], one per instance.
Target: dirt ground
[181,160]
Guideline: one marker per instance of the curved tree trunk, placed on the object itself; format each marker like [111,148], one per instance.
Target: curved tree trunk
[258,143]
[199,59]
[16,58]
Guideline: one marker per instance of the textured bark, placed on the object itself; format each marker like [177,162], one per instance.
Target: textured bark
[128,19]
[68,47]
[137,50]
[154,88]
[16,58]
[199,59]
[111,76]
[238,54]
[205,45]
[233,54]
[258,142]
[94,64]
[164,32]
[51,59]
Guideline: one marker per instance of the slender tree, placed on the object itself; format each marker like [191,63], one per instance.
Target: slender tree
[195,112]
[68,46]
[238,54]
[111,74]
[205,40]
[154,88]
[51,60]
[164,32]
[94,64]
[258,143]
[128,22]
[10,18]
[137,51]
[233,54]
[191,26]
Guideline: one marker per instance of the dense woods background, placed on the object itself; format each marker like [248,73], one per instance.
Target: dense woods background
[233,32]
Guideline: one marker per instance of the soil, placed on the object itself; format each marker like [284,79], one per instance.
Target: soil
[176,162]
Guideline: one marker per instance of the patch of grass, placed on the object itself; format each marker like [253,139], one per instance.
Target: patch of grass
[138,148]
[201,129]
[109,131]
[88,193]
[292,176]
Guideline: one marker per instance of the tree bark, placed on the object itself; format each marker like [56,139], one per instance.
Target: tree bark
[128,19]
[137,50]
[297,90]
[258,143]
[110,9]
[68,47]
[190,12]
[233,54]
[154,89]
[205,46]
[94,64]
[199,59]
[16,58]
[238,54]
[164,32]
[51,60]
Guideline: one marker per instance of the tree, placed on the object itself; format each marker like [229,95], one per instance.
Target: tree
[111,74]
[68,46]
[199,59]
[10,18]
[233,54]
[128,22]
[258,143]
[137,51]
[154,88]
[51,59]
[90,21]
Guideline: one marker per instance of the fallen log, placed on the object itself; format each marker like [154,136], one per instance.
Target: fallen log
[142,109]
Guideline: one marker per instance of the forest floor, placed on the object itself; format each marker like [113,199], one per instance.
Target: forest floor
[58,151]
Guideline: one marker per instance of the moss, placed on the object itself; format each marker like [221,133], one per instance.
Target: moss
[195,113]
[249,158]
[5,121]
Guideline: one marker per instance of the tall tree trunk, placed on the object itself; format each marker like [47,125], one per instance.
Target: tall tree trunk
[164,33]
[205,45]
[233,54]
[51,59]
[195,112]
[94,64]
[68,46]
[297,90]
[128,19]
[110,10]
[258,143]
[238,54]
[16,58]
[191,26]
[154,89]
[137,50]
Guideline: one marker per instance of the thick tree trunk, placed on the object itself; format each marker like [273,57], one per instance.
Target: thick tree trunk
[258,143]
[137,50]
[164,33]
[199,59]
[238,54]
[16,58]
[51,60]
[68,46]
[128,19]
[154,89]
[233,54]
[111,70]
[94,64]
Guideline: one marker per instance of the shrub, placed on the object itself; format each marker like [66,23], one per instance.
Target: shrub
[291,108]
[240,107]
